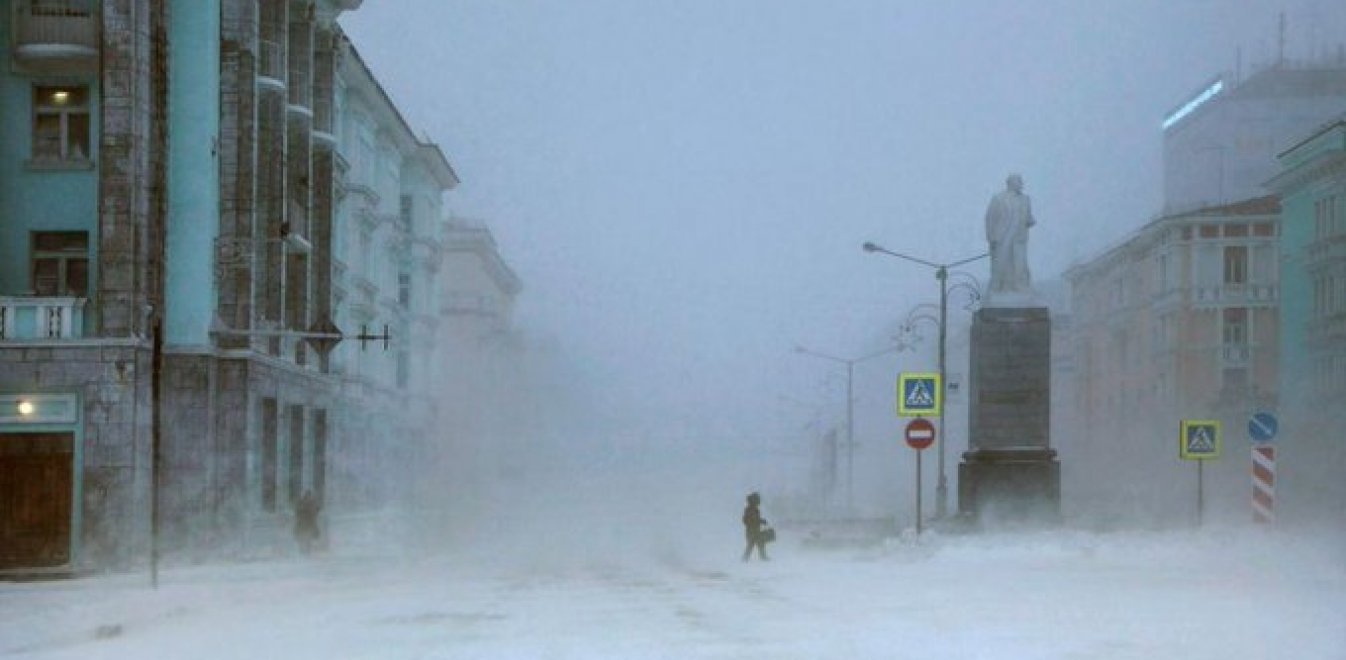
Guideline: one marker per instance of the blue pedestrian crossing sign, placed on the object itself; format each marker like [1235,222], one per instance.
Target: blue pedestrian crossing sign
[1199,439]
[919,395]
[1262,427]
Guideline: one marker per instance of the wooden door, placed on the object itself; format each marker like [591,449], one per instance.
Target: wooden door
[35,499]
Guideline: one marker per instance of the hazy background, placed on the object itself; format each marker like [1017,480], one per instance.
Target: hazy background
[684,186]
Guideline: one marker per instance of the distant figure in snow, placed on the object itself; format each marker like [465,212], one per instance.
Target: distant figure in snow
[753,524]
[306,521]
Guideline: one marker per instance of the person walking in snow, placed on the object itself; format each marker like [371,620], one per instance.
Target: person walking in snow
[753,524]
[306,521]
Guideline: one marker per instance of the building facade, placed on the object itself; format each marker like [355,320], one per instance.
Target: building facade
[1220,145]
[1312,449]
[205,195]
[1178,322]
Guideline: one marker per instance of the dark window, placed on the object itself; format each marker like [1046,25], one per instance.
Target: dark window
[1236,264]
[320,455]
[1264,229]
[1210,231]
[60,265]
[61,7]
[405,213]
[269,453]
[296,471]
[1236,325]
[403,369]
[1236,230]
[404,290]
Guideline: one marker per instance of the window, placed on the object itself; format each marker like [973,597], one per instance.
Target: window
[1235,326]
[1236,230]
[269,454]
[403,290]
[320,454]
[404,216]
[1236,264]
[60,263]
[296,464]
[61,7]
[61,124]
[1325,221]
[403,369]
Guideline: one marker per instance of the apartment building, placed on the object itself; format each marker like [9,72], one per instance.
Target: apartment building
[1180,321]
[1311,451]
[217,197]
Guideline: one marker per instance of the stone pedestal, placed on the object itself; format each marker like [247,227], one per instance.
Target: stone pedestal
[1010,473]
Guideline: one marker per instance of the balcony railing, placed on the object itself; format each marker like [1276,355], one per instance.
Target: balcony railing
[1331,248]
[1329,329]
[56,36]
[1235,294]
[271,61]
[1235,354]
[39,318]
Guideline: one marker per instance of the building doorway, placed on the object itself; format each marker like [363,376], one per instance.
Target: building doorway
[36,470]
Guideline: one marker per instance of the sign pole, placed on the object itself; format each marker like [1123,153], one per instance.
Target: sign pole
[1200,492]
[918,493]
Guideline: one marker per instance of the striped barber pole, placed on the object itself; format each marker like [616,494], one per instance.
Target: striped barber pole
[1264,483]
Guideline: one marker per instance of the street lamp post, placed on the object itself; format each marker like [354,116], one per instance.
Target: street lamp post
[942,275]
[850,409]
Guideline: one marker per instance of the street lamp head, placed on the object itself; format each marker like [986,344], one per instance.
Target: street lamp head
[870,247]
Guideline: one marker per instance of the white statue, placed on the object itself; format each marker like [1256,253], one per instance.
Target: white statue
[1008,217]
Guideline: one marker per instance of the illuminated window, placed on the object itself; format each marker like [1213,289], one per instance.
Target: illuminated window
[60,263]
[61,124]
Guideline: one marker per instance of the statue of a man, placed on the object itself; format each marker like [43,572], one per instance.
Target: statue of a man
[1008,217]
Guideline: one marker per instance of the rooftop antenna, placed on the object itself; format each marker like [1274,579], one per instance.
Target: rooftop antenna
[1280,44]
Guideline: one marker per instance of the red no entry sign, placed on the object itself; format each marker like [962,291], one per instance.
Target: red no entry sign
[920,433]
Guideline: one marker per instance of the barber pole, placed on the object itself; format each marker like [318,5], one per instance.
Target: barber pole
[1264,483]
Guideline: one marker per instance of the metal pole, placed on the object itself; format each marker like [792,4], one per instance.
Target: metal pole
[1200,492]
[156,387]
[942,485]
[850,438]
[918,492]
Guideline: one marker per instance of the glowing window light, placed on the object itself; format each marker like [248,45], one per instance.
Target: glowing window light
[1191,106]
[26,408]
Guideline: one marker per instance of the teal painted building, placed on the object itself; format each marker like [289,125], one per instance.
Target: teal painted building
[226,175]
[1311,475]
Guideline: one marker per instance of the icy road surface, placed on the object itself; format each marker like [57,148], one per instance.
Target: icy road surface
[1221,594]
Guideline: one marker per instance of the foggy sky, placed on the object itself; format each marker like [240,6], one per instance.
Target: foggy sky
[684,186]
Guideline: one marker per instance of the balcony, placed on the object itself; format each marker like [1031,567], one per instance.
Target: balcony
[1235,355]
[1242,295]
[271,64]
[1326,250]
[33,318]
[1327,330]
[56,36]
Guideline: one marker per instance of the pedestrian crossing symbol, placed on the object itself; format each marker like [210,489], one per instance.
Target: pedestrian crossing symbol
[1199,439]
[918,395]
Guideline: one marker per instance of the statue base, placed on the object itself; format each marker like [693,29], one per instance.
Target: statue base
[1009,473]
[1010,486]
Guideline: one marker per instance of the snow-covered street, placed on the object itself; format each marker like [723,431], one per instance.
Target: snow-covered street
[1230,593]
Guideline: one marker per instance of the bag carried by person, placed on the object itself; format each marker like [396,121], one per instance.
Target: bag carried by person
[768,534]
